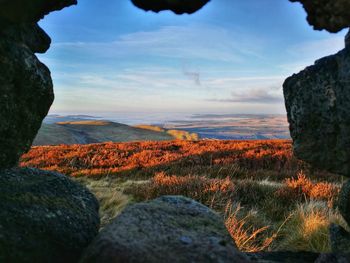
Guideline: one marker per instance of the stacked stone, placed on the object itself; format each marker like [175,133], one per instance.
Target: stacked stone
[44,216]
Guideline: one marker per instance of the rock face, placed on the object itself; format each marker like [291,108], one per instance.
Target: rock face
[177,6]
[168,229]
[25,83]
[317,102]
[44,217]
[344,202]
[26,90]
[340,239]
[23,11]
[325,14]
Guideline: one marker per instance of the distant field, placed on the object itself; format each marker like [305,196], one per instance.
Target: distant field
[96,131]
[234,126]
[269,200]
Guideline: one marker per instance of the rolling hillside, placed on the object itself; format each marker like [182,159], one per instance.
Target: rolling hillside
[95,131]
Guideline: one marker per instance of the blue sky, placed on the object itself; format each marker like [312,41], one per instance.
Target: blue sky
[230,57]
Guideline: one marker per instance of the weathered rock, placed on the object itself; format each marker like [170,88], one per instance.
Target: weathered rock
[347,40]
[331,15]
[343,201]
[20,11]
[25,83]
[177,6]
[317,103]
[340,239]
[26,92]
[283,257]
[333,258]
[44,217]
[28,34]
[168,229]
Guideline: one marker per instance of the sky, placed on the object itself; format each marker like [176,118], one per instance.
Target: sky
[230,57]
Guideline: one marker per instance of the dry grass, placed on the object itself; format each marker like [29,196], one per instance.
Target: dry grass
[270,200]
[214,193]
[308,227]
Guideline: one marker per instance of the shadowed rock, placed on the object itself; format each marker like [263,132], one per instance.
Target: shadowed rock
[44,217]
[26,89]
[177,6]
[25,83]
[340,239]
[317,102]
[333,258]
[19,11]
[332,15]
[344,201]
[168,229]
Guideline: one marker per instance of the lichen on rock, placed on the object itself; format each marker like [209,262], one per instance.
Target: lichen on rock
[167,229]
[318,108]
[44,217]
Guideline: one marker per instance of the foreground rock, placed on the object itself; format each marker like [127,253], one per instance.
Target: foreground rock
[177,6]
[44,217]
[317,102]
[331,15]
[168,229]
[340,239]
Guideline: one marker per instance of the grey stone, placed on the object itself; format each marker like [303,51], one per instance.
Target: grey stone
[177,6]
[26,95]
[333,258]
[24,11]
[343,201]
[283,257]
[318,108]
[331,15]
[167,229]
[340,239]
[28,34]
[44,217]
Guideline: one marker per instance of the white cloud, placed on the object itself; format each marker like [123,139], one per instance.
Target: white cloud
[189,42]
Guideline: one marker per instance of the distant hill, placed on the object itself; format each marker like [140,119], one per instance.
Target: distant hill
[97,131]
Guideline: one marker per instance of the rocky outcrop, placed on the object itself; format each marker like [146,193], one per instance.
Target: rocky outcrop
[331,15]
[317,102]
[177,6]
[168,229]
[344,201]
[26,90]
[25,83]
[24,11]
[44,217]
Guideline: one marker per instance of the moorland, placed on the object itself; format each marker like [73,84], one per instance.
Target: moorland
[268,199]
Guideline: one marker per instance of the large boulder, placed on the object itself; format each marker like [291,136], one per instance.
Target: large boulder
[25,83]
[44,217]
[177,6]
[26,89]
[317,103]
[168,229]
[332,15]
